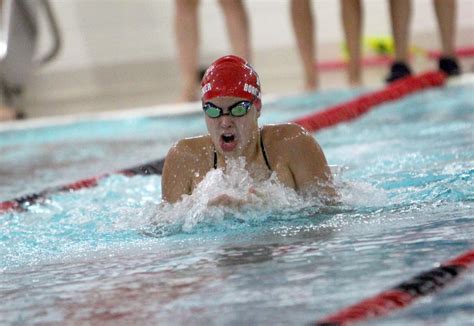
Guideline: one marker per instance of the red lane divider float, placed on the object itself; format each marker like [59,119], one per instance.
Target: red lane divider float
[403,294]
[322,119]
[355,108]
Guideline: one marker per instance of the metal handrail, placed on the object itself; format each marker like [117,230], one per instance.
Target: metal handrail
[57,43]
[53,25]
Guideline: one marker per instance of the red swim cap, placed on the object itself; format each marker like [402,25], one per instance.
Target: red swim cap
[231,76]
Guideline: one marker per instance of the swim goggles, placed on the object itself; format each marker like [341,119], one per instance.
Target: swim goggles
[238,109]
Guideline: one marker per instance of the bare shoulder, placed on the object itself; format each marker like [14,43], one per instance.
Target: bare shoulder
[188,151]
[184,158]
[286,134]
[193,142]
[190,146]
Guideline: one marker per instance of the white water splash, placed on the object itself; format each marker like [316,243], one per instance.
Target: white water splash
[261,198]
[360,194]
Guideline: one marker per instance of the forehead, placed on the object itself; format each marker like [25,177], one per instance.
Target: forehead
[225,101]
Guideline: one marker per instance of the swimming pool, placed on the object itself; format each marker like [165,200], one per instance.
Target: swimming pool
[108,255]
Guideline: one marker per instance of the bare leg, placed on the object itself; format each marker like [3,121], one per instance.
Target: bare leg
[187,37]
[400,14]
[303,25]
[352,23]
[237,27]
[446,15]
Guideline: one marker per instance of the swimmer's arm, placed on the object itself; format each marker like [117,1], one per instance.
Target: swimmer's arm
[309,167]
[229,201]
[176,178]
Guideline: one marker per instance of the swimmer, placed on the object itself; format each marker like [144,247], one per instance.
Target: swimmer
[231,101]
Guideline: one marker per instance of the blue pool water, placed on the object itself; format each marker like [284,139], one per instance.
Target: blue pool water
[110,255]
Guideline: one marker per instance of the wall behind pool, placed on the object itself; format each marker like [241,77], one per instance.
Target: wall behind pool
[127,47]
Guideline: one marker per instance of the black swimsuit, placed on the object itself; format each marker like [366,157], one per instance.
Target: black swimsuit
[263,152]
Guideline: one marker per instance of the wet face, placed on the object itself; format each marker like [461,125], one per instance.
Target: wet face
[232,136]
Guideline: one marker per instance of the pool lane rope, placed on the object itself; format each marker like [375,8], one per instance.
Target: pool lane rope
[402,295]
[357,107]
[22,203]
[329,117]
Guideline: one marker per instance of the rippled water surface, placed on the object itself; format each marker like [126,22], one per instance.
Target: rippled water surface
[112,255]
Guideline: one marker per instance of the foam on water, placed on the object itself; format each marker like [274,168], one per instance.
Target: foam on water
[261,199]
[257,202]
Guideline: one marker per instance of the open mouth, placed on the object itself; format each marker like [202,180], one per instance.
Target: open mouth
[228,142]
[228,138]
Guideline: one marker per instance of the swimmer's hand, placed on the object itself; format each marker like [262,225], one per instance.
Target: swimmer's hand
[229,201]
[226,200]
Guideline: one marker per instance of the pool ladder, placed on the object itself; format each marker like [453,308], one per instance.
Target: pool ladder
[20,21]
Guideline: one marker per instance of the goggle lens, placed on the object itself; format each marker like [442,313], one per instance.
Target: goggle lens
[237,110]
[212,112]
[240,110]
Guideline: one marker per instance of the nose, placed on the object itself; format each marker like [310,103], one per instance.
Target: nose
[226,121]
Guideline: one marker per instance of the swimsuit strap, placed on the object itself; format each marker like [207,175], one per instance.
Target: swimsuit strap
[215,158]
[263,152]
